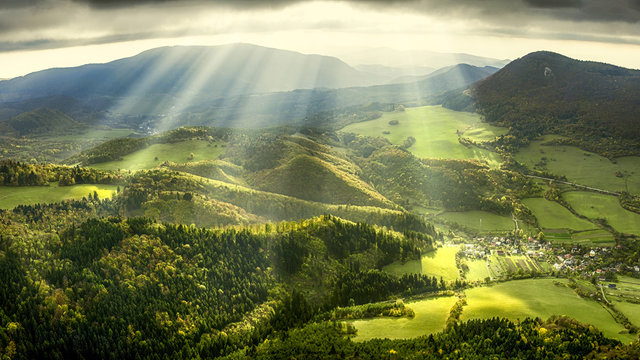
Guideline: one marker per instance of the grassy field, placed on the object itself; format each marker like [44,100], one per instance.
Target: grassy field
[11,197]
[596,237]
[477,270]
[441,262]
[631,311]
[482,221]
[594,205]
[502,265]
[538,297]
[434,129]
[175,152]
[627,288]
[431,316]
[582,166]
[552,215]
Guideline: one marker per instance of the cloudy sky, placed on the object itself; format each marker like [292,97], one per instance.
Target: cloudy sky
[38,34]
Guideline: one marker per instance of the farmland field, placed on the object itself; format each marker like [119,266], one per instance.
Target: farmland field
[11,196]
[538,297]
[482,221]
[175,152]
[596,237]
[440,262]
[434,129]
[594,205]
[583,167]
[552,215]
[631,311]
[430,317]
[477,270]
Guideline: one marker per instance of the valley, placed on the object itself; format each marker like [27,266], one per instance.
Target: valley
[346,220]
[436,131]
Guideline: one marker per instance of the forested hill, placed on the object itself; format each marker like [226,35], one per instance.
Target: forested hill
[545,92]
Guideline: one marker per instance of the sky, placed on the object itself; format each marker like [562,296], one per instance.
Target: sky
[40,34]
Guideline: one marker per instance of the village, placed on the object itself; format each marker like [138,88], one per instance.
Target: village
[508,257]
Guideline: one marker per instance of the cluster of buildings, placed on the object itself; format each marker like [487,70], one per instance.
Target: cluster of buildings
[482,247]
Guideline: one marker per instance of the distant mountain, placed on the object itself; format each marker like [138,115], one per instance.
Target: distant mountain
[322,107]
[191,71]
[396,74]
[233,86]
[545,92]
[426,87]
[416,59]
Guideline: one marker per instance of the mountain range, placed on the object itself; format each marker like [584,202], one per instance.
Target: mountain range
[236,85]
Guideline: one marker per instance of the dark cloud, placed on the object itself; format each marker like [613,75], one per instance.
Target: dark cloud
[553,3]
[28,24]
[12,4]
[594,10]
[243,4]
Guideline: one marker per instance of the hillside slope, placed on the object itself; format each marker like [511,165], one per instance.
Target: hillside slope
[40,121]
[545,92]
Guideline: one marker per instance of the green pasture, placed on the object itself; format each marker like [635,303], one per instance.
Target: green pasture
[12,196]
[430,317]
[630,310]
[175,152]
[441,262]
[595,205]
[552,215]
[434,129]
[627,288]
[583,167]
[479,220]
[502,265]
[597,237]
[538,298]
[477,270]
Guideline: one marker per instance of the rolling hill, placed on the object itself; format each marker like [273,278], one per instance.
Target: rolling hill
[545,92]
[39,121]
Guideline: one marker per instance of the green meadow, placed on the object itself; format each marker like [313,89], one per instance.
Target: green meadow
[477,270]
[441,262]
[583,167]
[11,196]
[436,132]
[552,215]
[175,152]
[430,317]
[481,221]
[538,298]
[595,205]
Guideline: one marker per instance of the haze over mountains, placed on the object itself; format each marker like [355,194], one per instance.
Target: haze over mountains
[218,86]
[250,86]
